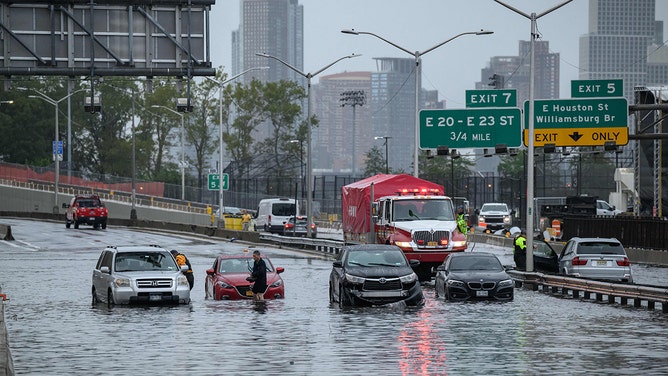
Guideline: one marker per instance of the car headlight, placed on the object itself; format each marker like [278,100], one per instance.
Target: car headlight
[182,281]
[455,283]
[506,219]
[224,285]
[481,218]
[277,283]
[122,282]
[354,279]
[403,244]
[506,282]
[408,278]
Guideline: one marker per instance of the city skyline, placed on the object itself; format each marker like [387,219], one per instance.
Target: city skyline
[420,28]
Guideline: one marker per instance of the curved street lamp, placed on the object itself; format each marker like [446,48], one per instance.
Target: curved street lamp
[417,55]
[55,104]
[220,132]
[309,167]
[183,150]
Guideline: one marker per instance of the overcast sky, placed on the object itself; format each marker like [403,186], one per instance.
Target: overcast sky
[418,25]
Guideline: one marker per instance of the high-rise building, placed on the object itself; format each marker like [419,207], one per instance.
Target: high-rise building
[274,27]
[624,41]
[393,105]
[341,103]
[512,72]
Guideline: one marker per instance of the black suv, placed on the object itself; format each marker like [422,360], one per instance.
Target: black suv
[374,274]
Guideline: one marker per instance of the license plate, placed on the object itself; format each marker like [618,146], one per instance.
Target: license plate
[155,297]
[92,218]
[481,293]
[432,244]
[601,263]
[249,293]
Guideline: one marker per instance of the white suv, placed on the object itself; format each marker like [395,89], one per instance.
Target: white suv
[495,216]
[139,274]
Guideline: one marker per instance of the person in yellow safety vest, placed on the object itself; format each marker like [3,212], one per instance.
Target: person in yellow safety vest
[245,220]
[520,251]
[462,226]
[181,259]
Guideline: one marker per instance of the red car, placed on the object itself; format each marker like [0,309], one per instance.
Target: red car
[226,280]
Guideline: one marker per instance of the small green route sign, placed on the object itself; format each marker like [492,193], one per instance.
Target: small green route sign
[214,182]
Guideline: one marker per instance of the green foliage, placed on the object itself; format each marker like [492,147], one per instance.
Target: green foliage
[375,162]
[513,166]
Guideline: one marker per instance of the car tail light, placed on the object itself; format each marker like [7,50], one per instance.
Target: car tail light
[289,225]
[577,261]
[312,226]
[624,262]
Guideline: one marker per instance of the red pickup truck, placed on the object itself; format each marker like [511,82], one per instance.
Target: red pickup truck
[86,209]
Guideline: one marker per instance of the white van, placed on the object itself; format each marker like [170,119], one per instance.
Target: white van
[273,213]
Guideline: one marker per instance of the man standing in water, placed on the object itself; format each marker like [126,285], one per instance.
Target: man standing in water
[259,276]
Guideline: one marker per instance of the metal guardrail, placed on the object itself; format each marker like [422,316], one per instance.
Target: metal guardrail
[625,294]
[326,246]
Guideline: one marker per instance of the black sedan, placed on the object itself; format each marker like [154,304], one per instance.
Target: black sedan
[374,274]
[297,226]
[473,276]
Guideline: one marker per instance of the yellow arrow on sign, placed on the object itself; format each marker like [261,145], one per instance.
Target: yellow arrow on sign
[578,136]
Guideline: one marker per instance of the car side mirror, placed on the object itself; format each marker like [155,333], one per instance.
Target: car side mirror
[279,269]
[104,269]
[440,268]
[413,263]
[184,268]
[337,264]
[65,205]
[210,272]
[477,211]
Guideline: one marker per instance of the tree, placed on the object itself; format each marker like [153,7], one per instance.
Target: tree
[513,166]
[374,162]
[199,130]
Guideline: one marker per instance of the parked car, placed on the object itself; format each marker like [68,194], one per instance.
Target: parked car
[228,210]
[139,274]
[473,276]
[596,258]
[226,279]
[87,210]
[297,226]
[374,274]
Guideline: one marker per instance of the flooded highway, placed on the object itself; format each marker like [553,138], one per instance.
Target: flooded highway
[55,330]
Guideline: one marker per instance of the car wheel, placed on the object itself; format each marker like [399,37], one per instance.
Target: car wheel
[344,299]
[76,224]
[96,226]
[94,299]
[331,294]
[110,298]
[104,225]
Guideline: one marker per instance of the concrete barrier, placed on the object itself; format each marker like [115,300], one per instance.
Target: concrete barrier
[6,362]
[6,232]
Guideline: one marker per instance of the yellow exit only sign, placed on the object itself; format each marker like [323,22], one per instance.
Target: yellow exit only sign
[578,136]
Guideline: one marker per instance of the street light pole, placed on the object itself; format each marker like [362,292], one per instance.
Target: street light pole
[309,167]
[387,166]
[55,104]
[220,134]
[301,162]
[530,147]
[183,150]
[417,55]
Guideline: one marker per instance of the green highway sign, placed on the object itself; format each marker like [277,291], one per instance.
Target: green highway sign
[597,88]
[470,128]
[214,182]
[491,98]
[578,113]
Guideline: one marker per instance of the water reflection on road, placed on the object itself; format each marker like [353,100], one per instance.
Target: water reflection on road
[54,330]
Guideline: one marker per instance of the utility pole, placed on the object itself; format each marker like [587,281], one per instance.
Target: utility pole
[353,98]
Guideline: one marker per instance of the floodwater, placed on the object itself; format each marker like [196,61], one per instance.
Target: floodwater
[54,330]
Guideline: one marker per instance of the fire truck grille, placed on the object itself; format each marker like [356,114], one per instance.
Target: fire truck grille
[428,236]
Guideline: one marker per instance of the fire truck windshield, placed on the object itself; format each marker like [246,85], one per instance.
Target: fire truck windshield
[423,209]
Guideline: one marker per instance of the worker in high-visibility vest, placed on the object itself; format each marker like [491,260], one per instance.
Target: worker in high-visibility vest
[520,251]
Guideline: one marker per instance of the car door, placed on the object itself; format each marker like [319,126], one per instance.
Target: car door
[566,257]
[336,275]
[101,279]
